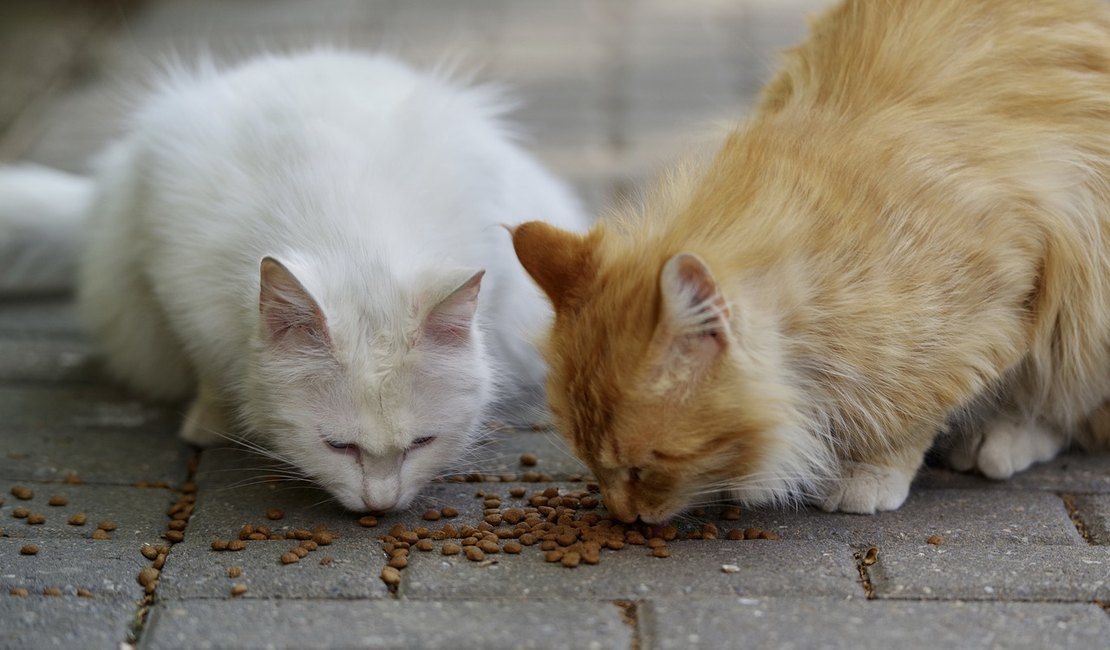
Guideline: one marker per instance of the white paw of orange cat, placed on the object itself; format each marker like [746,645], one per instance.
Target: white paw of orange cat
[865,489]
[1009,447]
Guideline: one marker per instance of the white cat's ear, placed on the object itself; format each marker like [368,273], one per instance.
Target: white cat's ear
[693,327]
[449,321]
[290,316]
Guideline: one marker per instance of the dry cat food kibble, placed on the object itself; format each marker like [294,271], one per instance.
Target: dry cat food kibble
[871,556]
[289,558]
[77,519]
[935,540]
[22,492]
[451,549]
[51,591]
[36,518]
[71,479]
[274,514]
[174,536]
[107,525]
[326,560]
[529,460]
[100,534]
[234,571]
[19,592]
[147,576]
[21,512]
[431,515]
[149,552]
[84,593]
[391,576]
[236,545]
[57,500]
[29,549]
[369,521]
[239,589]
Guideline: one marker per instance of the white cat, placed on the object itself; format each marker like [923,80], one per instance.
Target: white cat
[299,242]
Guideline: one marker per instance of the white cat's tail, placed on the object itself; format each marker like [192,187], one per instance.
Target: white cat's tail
[41,211]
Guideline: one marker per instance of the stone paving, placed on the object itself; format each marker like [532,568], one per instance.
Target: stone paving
[610,90]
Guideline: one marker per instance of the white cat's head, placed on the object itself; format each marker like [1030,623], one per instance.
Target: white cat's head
[371,408]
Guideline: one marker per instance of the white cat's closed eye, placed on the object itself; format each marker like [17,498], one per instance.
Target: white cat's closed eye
[421,442]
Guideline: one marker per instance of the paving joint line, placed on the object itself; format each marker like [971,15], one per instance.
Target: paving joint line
[630,615]
[865,558]
[1076,518]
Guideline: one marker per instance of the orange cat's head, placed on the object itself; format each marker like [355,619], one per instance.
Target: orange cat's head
[660,384]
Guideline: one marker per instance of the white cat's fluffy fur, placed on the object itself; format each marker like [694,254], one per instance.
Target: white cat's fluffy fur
[380,192]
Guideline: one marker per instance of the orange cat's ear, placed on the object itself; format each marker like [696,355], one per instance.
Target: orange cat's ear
[559,261]
[693,327]
[290,316]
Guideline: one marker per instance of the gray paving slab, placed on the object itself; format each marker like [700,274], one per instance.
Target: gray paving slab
[981,516]
[109,568]
[500,454]
[694,568]
[38,622]
[37,360]
[921,571]
[809,623]
[296,624]
[39,316]
[139,513]
[98,432]
[194,570]
[1094,511]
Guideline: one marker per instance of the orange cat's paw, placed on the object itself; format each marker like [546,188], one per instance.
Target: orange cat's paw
[865,489]
[1009,447]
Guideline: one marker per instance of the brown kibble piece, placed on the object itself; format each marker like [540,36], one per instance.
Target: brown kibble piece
[935,540]
[78,519]
[234,571]
[735,534]
[661,551]
[107,525]
[391,576]
[149,552]
[19,592]
[20,512]
[220,544]
[51,591]
[22,492]
[100,534]
[512,548]
[309,545]
[425,545]
[449,512]
[236,545]
[323,538]
[159,561]
[29,549]
[175,536]
[730,513]
[57,500]
[148,575]
[71,479]
[474,554]
[369,521]
[871,556]
[570,559]
[399,561]
[768,534]
[290,558]
[84,593]
[326,560]
[300,552]
[239,589]
[275,514]
[529,460]
[36,518]
[451,549]
[178,524]
[752,533]
[301,534]
[518,492]
[431,515]
[488,546]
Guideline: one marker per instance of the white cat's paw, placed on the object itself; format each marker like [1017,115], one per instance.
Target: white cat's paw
[864,488]
[1009,447]
[963,453]
[204,426]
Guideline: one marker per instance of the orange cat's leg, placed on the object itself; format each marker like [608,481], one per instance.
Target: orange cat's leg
[873,484]
[205,422]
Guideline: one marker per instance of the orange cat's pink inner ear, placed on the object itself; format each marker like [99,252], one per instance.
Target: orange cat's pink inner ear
[289,314]
[559,261]
[695,311]
[450,320]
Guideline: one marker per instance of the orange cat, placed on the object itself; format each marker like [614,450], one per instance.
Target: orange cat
[911,236]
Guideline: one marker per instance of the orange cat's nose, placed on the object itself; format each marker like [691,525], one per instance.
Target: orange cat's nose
[620,506]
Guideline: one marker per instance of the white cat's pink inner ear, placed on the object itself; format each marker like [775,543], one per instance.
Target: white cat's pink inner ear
[693,302]
[449,322]
[290,315]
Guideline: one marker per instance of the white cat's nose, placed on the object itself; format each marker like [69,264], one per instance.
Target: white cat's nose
[379,503]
